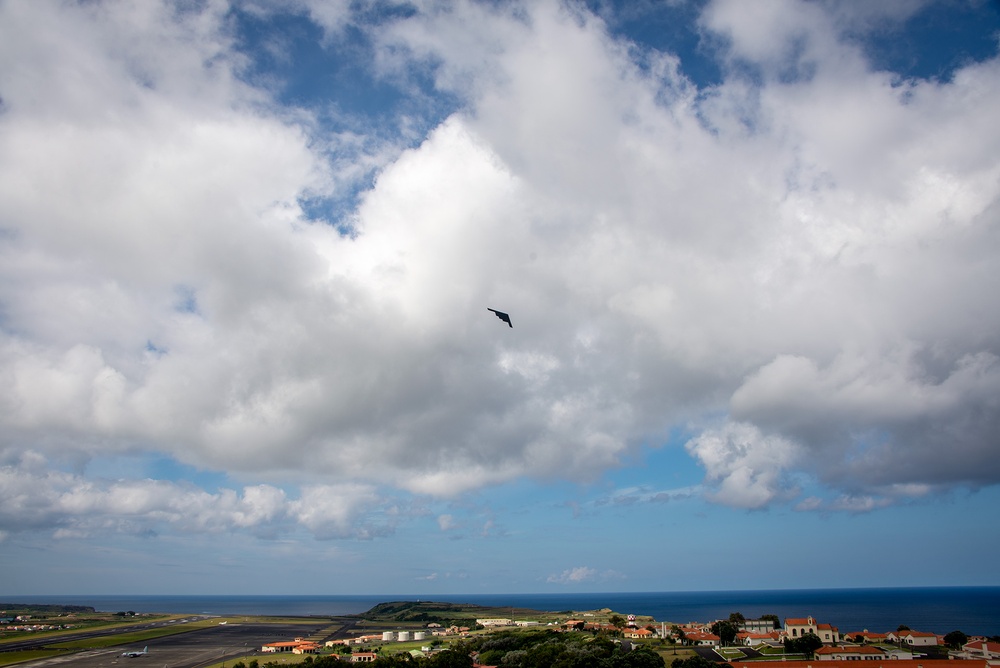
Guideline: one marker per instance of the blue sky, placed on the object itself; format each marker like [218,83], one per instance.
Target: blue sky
[749,250]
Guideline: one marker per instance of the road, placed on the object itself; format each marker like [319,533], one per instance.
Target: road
[193,649]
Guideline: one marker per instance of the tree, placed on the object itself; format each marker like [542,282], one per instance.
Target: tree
[399,660]
[617,621]
[544,655]
[602,646]
[737,618]
[450,658]
[807,644]
[774,620]
[696,661]
[491,657]
[902,627]
[726,631]
[641,657]
[328,661]
[955,639]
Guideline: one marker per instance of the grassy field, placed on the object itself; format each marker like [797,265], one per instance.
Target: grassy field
[94,624]
[9,658]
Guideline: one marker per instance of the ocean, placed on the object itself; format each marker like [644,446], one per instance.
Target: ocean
[973,610]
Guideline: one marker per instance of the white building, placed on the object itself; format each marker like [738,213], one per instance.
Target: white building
[919,639]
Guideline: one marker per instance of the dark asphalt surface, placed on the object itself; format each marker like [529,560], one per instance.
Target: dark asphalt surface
[710,654]
[29,642]
[233,641]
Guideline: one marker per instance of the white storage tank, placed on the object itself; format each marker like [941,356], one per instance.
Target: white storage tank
[420,635]
[387,635]
[404,636]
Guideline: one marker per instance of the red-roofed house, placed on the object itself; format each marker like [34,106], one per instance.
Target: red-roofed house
[798,627]
[850,653]
[699,638]
[363,657]
[865,636]
[827,633]
[293,646]
[638,634]
[981,649]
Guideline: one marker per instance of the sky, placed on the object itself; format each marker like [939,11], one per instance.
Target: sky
[750,253]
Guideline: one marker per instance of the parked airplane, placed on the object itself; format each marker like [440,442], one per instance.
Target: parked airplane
[135,653]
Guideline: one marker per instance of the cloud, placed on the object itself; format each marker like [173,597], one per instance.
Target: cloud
[872,421]
[744,466]
[631,495]
[799,264]
[68,505]
[573,575]
[582,574]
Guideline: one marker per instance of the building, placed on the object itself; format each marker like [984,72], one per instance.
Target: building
[638,634]
[495,622]
[828,634]
[850,653]
[757,625]
[754,639]
[306,648]
[981,649]
[703,639]
[297,646]
[919,639]
[798,627]
[363,657]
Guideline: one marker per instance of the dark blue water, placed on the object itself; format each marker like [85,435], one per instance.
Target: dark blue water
[974,610]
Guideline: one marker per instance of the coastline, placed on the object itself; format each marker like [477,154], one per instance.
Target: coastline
[974,610]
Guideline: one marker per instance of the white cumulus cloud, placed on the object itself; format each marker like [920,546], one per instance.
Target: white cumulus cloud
[802,255]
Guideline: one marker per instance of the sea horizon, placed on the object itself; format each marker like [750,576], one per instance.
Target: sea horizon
[973,610]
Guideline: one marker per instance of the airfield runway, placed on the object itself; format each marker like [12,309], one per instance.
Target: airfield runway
[232,642]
